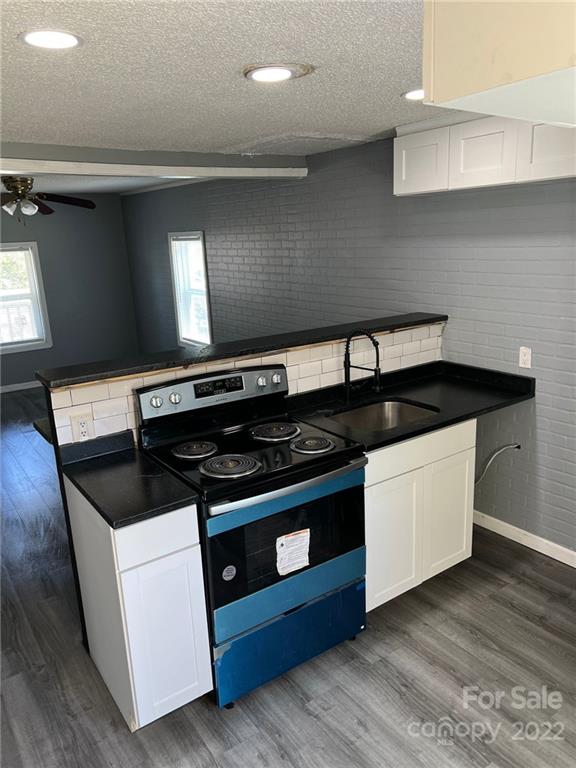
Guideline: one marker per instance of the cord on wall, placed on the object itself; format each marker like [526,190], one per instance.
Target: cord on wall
[491,458]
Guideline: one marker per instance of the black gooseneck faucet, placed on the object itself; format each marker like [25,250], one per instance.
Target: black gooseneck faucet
[348,365]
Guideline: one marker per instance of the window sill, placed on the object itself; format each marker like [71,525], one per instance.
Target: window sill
[25,346]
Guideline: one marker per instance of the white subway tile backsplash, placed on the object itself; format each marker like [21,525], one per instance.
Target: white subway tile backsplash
[64,435]
[321,353]
[428,344]
[406,361]
[293,372]
[427,357]
[423,332]
[300,355]
[402,337]
[62,415]
[192,370]
[124,386]
[394,351]
[112,407]
[332,364]
[412,348]
[308,383]
[113,404]
[310,369]
[90,393]
[275,359]
[61,399]
[110,425]
[159,378]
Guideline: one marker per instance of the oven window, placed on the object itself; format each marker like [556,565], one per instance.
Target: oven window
[244,560]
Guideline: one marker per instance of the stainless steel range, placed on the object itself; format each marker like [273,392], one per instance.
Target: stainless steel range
[282,519]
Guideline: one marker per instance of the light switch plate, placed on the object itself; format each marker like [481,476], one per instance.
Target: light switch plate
[525,357]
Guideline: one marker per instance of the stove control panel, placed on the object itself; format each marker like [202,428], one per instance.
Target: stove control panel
[206,390]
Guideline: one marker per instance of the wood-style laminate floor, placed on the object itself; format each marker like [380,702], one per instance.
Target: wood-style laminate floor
[394,697]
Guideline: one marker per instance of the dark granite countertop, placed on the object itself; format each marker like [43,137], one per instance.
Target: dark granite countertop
[80,374]
[127,487]
[456,393]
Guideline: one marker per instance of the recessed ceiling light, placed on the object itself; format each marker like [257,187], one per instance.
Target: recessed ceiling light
[276,73]
[50,38]
[416,95]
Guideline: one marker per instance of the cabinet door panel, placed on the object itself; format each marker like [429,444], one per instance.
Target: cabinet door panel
[447,518]
[167,633]
[483,152]
[545,152]
[393,537]
[421,162]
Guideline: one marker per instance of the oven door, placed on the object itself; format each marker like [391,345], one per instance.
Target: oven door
[271,553]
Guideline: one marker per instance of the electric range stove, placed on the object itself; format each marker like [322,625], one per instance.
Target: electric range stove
[281,512]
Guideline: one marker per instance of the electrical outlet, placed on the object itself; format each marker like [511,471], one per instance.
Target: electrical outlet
[82,426]
[525,357]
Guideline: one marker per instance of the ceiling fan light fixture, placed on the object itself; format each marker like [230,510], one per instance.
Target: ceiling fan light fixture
[28,208]
[51,38]
[10,207]
[276,73]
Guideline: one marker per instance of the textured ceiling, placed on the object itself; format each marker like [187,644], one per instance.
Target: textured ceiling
[166,74]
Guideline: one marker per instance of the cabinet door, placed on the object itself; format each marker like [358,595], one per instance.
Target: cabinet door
[447,517]
[483,152]
[545,152]
[167,632]
[393,537]
[421,162]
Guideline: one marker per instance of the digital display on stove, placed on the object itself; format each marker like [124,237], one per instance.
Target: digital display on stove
[218,387]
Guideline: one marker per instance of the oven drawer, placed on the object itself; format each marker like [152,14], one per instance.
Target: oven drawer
[256,657]
[255,609]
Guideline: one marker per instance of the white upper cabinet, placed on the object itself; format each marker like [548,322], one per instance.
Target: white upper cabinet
[480,153]
[545,152]
[421,162]
[483,153]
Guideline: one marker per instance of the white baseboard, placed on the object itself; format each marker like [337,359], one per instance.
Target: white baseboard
[17,387]
[545,547]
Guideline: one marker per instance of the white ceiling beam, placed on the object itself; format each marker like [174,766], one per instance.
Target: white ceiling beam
[25,167]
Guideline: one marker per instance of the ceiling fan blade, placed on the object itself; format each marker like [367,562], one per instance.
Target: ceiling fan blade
[6,197]
[66,199]
[44,209]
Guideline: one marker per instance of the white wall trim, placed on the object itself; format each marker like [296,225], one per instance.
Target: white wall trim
[23,385]
[544,546]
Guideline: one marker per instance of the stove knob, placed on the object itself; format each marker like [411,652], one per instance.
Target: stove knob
[175,398]
[276,378]
[156,401]
[261,381]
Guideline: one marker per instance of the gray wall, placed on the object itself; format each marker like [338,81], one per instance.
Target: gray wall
[338,246]
[87,284]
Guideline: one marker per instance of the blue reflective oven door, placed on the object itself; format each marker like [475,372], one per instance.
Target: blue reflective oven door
[262,542]
[260,655]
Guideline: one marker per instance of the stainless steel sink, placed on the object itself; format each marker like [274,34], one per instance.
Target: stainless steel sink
[387,414]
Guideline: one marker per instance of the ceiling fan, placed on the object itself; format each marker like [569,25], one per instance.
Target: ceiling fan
[19,198]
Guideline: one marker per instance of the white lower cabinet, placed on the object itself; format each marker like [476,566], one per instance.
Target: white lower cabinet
[448,511]
[142,590]
[167,633]
[393,533]
[419,510]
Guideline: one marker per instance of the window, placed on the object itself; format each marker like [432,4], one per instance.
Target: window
[190,282]
[23,317]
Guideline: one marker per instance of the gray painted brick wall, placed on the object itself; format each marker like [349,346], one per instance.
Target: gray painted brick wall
[339,246]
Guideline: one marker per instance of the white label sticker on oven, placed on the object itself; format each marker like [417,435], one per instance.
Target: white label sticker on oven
[292,551]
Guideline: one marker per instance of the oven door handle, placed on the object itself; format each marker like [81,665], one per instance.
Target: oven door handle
[229,506]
